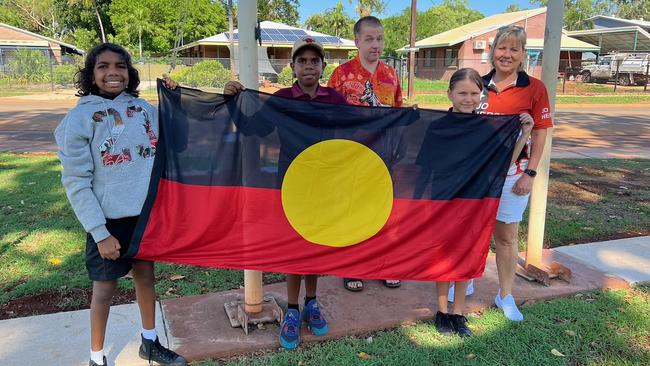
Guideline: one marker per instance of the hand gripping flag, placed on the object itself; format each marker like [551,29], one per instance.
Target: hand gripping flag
[261,182]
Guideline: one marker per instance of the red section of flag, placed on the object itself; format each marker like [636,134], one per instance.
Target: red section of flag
[245,228]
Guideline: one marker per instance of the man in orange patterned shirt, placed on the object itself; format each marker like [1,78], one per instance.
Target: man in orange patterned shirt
[366,80]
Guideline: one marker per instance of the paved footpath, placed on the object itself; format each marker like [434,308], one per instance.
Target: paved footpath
[198,328]
[582,131]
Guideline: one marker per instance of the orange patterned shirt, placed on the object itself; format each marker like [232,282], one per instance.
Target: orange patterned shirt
[360,87]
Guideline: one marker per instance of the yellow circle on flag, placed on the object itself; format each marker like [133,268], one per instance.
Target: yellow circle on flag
[337,193]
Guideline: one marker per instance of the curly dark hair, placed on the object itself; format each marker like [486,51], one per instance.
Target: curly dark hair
[84,77]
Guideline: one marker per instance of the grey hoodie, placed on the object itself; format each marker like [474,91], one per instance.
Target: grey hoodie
[107,148]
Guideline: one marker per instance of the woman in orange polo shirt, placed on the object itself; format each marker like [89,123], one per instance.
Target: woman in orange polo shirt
[509,90]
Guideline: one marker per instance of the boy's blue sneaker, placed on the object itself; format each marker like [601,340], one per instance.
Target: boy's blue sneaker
[290,333]
[315,321]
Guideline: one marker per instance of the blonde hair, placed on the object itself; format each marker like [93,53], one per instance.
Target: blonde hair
[507,33]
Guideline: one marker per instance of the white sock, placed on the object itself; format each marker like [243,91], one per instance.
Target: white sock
[149,334]
[97,357]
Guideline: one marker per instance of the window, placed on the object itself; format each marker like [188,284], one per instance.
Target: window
[451,57]
[428,58]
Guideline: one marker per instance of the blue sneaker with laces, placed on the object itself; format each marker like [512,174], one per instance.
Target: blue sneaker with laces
[290,333]
[315,321]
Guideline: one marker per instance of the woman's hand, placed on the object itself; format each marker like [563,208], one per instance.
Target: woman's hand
[526,124]
[233,87]
[523,186]
[109,248]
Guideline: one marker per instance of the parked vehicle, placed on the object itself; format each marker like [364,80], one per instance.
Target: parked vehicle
[625,68]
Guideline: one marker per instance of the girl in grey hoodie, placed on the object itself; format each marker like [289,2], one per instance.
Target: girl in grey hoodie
[107,144]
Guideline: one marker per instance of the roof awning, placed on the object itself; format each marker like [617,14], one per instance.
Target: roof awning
[615,39]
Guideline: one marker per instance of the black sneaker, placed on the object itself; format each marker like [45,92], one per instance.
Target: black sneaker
[443,324]
[93,363]
[459,324]
[153,351]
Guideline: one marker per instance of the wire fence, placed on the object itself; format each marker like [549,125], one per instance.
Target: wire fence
[38,70]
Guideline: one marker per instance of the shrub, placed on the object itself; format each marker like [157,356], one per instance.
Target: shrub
[285,77]
[29,66]
[329,69]
[64,74]
[207,73]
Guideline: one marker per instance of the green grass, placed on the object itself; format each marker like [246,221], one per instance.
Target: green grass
[426,85]
[438,99]
[599,328]
[592,200]
[602,99]
[41,242]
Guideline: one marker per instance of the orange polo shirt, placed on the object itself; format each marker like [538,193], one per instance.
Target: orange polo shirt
[360,87]
[526,95]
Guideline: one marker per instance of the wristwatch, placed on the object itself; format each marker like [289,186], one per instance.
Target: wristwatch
[531,173]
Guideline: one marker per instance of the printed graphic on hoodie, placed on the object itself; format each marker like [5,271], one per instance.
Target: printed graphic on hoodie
[109,157]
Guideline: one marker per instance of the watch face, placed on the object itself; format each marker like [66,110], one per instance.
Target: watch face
[530,172]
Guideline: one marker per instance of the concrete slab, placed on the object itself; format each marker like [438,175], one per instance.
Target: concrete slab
[625,258]
[64,338]
[198,327]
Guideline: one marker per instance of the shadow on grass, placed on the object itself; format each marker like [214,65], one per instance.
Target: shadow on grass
[603,327]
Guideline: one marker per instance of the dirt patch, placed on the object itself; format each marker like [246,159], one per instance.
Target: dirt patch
[55,301]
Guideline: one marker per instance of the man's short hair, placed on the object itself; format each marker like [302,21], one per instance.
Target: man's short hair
[367,20]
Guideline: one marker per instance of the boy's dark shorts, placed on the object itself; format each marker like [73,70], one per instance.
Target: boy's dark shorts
[100,269]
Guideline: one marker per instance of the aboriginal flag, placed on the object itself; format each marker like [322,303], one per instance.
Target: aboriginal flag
[262,182]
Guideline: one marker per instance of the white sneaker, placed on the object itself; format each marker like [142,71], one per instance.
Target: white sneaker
[470,290]
[509,307]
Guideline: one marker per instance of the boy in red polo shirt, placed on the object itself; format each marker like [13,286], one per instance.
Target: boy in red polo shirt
[308,64]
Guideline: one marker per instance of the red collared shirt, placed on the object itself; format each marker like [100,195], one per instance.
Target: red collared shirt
[360,87]
[323,94]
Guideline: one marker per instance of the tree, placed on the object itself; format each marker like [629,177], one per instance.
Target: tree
[156,27]
[134,22]
[437,19]
[513,8]
[282,11]
[632,9]
[333,21]
[576,12]
[368,7]
[36,16]
[91,4]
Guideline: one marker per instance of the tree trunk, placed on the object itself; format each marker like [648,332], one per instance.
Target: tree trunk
[101,25]
[140,41]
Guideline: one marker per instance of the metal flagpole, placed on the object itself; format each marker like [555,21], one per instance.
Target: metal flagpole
[256,308]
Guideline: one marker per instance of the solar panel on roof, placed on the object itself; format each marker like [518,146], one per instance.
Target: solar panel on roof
[271,31]
[285,31]
[234,36]
[299,32]
[278,38]
[292,37]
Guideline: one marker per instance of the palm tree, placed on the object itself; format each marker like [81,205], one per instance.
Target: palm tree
[138,21]
[91,4]
[367,7]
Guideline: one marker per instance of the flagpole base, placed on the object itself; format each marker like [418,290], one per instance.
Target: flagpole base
[238,317]
[544,274]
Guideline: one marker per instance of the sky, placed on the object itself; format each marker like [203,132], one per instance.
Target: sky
[487,7]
